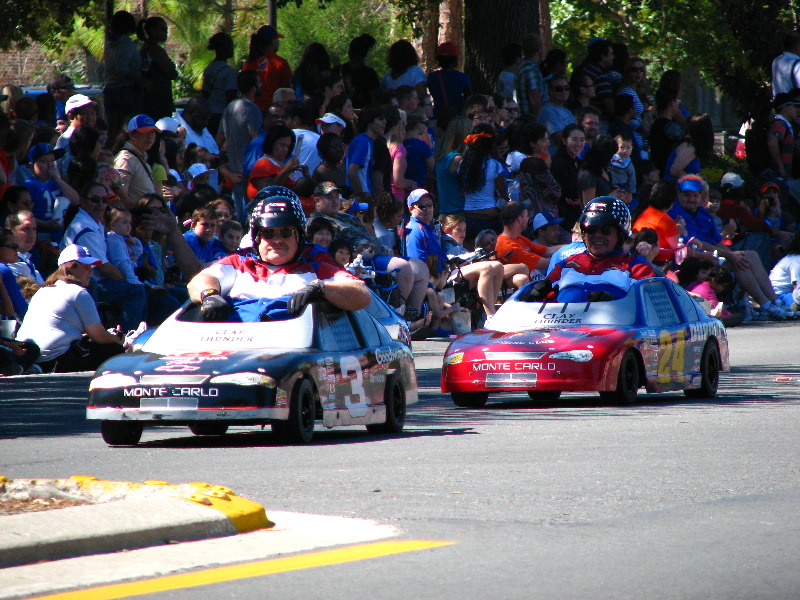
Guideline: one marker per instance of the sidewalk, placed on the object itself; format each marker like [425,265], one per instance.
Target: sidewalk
[120,516]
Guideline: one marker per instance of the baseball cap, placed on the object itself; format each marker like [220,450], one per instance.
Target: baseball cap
[690,184]
[543,219]
[262,168]
[732,179]
[142,123]
[198,169]
[769,185]
[447,49]
[76,101]
[37,151]
[169,124]
[330,118]
[268,32]
[73,252]
[324,188]
[417,195]
[355,207]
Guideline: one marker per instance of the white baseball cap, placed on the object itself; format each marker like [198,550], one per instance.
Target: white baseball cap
[330,118]
[73,252]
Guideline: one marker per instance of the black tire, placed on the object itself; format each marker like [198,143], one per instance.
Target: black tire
[627,381]
[544,396]
[121,433]
[208,428]
[395,400]
[470,399]
[710,366]
[299,428]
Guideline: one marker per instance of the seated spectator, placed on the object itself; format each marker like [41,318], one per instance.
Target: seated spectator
[23,225]
[644,243]
[320,231]
[652,213]
[341,252]
[230,235]
[785,276]
[422,241]
[124,250]
[86,228]
[46,187]
[388,216]
[8,256]
[331,167]
[514,247]
[63,320]
[202,237]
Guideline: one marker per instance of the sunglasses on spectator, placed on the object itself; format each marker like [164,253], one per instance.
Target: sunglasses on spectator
[601,229]
[12,246]
[281,232]
[98,199]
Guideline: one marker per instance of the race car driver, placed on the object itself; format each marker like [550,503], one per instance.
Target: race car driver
[604,271]
[282,275]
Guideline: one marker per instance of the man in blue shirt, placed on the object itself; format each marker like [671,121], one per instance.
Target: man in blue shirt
[701,233]
[422,241]
[360,160]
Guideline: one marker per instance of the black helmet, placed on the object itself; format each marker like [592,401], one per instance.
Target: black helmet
[607,210]
[277,206]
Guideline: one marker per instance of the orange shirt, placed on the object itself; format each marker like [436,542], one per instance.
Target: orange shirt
[274,72]
[523,251]
[664,226]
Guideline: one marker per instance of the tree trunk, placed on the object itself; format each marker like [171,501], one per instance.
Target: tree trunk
[488,25]
[451,13]
[430,38]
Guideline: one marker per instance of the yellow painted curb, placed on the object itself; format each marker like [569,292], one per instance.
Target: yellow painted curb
[245,515]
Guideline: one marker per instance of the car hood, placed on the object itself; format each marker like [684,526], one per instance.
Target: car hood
[540,339]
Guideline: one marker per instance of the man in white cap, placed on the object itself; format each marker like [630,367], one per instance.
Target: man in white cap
[81,112]
[546,230]
[422,241]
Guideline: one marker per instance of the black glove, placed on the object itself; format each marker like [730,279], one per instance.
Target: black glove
[215,309]
[538,291]
[302,297]
[600,296]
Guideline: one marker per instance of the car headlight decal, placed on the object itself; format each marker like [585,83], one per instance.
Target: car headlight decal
[244,379]
[574,355]
[110,381]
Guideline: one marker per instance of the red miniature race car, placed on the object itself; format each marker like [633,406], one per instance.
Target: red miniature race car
[657,336]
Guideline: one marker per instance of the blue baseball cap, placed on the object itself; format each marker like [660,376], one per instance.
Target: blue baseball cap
[543,219]
[37,151]
[142,123]
[356,207]
[268,32]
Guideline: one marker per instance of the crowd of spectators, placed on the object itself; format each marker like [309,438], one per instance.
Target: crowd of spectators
[151,193]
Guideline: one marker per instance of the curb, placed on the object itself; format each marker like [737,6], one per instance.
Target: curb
[120,515]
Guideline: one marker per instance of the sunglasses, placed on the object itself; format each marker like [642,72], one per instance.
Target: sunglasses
[424,206]
[281,232]
[601,229]
[12,246]
[98,199]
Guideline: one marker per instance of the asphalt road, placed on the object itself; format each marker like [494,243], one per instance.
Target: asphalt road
[669,498]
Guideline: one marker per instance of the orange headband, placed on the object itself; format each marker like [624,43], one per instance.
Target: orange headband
[474,137]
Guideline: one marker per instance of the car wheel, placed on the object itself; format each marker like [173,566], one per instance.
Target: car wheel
[395,400]
[299,428]
[627,381]
[470,399]
[542,396]
[710,366]
[209,428]
[121,433]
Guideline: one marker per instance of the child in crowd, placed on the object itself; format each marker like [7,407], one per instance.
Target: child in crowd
[319,230]
[230,234]
[341,252]
[623,174]
[124,250]
[419,150]
[202,236]
[45,187]
[150,267]
[706,282]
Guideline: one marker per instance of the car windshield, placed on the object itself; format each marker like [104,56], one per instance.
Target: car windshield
[520,316]
[174,335]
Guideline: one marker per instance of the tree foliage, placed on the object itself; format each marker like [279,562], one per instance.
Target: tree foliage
[731,43]
[22,22]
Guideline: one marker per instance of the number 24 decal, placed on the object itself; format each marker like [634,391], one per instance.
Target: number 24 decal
[671,362]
